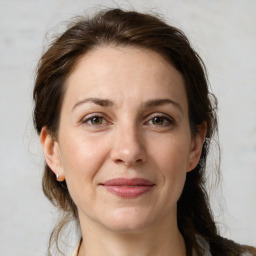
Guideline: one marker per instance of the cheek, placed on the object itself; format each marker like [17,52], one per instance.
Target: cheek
[172,153]
[82,158]
[81,153]
[171,160]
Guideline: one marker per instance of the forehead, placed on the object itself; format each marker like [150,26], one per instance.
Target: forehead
[125,72]
[109,58]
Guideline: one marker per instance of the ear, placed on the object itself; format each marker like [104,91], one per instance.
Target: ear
[52,153]
[197,142]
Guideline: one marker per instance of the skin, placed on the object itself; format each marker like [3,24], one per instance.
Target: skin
[140,129]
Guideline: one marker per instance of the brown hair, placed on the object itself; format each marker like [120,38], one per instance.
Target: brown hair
[117,27]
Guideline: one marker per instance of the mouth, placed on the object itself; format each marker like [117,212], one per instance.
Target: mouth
[128,188]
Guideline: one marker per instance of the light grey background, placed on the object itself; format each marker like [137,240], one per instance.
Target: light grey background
[223,32]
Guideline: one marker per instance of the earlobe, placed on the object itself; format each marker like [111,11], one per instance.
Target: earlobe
[196,146]
[51,153]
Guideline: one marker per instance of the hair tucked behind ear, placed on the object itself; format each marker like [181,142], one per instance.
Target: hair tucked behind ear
[129,28]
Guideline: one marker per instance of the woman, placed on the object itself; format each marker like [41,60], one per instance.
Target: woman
[125,120]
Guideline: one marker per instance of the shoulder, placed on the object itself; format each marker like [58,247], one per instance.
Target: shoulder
[75,253]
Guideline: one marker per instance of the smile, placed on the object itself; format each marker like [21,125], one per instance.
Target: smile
[128,188]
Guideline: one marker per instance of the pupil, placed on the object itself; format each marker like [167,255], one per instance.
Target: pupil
[158,120]
[96,120]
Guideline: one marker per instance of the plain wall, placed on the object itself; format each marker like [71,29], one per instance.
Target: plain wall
[224,34]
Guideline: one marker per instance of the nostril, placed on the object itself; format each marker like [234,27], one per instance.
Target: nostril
[128,152]
[139,161]
[129,162]
[119,161]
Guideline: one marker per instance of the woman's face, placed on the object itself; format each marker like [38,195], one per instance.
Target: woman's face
[124,143]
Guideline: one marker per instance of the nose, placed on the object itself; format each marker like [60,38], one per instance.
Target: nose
[128,147]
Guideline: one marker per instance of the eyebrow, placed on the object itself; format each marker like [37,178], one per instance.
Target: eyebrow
[147,104]
[97,101]
[160,102]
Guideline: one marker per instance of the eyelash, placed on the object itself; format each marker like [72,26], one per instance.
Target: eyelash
[166,120]
[91,117]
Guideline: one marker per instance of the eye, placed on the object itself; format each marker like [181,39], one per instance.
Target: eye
[160,120]
[94,120]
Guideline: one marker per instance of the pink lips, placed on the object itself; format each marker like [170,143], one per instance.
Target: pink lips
[128,188]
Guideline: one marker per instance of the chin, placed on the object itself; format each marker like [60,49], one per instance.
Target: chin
[128,220]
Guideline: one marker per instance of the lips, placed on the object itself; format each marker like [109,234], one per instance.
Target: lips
[128,188]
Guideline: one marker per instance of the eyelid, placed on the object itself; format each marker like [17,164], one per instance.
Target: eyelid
[88,117]
[170,119]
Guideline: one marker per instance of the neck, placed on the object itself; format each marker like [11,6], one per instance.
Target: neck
[158,241]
